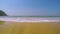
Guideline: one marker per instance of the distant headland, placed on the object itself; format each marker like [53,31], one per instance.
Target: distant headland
[2,13]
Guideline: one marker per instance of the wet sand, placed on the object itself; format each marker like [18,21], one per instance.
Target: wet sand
[30,28]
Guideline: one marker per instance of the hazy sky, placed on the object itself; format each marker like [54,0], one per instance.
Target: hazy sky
[31,7]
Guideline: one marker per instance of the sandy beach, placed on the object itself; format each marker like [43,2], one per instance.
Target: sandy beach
[30,28]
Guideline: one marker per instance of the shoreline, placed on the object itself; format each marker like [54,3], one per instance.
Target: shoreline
[31,21]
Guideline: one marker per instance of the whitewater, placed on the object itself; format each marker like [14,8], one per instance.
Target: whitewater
[30,19]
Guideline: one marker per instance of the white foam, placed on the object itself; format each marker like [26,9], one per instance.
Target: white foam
[29,20]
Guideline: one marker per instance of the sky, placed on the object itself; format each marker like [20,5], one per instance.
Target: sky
[30,7]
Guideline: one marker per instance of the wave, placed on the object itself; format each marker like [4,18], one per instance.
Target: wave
[30,19]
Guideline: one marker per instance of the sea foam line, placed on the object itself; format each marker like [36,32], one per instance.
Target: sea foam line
[29,20]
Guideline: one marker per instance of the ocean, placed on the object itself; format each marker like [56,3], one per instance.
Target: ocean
[29,19]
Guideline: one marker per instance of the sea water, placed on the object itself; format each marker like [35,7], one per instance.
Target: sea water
[29,19]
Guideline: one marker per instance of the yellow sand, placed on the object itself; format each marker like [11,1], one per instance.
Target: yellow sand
[32,28]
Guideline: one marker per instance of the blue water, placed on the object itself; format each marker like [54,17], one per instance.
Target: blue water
[12,17]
